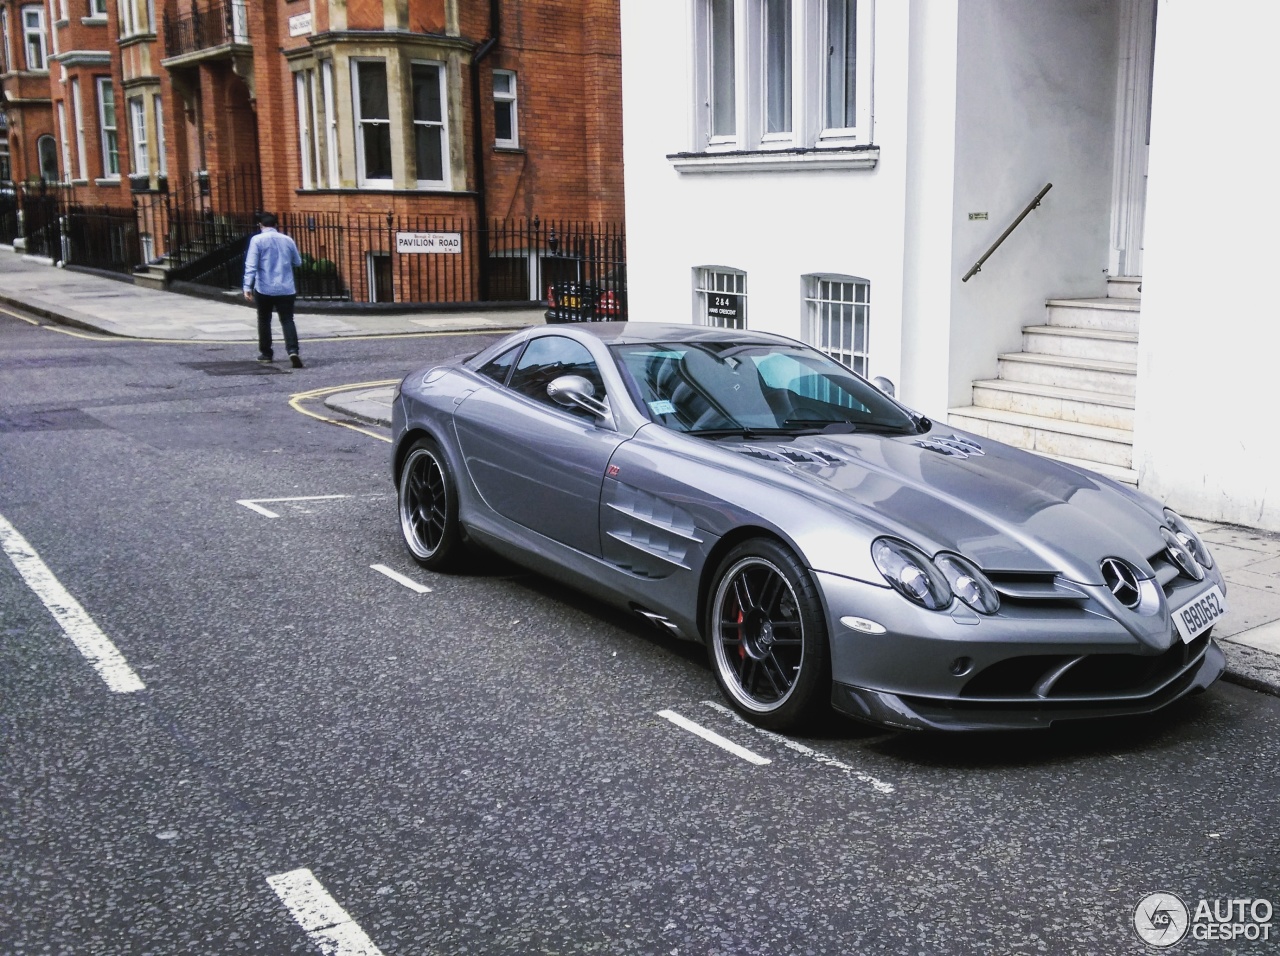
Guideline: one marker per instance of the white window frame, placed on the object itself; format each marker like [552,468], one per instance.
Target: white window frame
[860,132]
[306,133]
[710,280]
[708,33]
[41,140]
[137,108]
[4,40]
[110,132]
[330,121]
[371,272]
[97,9]
[442,124]
[510,100]
[835,306]
[131,24]
[162,165]
[767,68]
[63,141]
[77,115]
[359,122]
[795,75]
[36,32]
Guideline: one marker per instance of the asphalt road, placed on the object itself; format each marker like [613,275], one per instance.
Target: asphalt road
[323,759]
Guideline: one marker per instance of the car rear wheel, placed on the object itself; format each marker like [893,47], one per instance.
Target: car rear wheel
[767,636]
[429,507]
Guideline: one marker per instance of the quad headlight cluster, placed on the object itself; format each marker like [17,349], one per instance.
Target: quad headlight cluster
[1185,546]
[931,582]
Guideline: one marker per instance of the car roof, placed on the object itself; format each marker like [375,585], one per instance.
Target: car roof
[631,333]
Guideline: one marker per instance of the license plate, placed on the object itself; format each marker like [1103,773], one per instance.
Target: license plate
[572,302]
[1200,613]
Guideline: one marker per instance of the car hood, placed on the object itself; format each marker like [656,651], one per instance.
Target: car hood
[1006,509]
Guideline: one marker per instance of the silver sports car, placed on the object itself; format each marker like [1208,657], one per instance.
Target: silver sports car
[828,545]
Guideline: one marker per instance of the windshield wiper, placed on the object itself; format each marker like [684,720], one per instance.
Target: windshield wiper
[744,431]
[828,426]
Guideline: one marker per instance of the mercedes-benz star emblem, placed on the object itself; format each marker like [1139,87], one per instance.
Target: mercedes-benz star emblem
[1121,581]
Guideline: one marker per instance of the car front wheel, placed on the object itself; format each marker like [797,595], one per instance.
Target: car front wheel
[429,507]
[767,636]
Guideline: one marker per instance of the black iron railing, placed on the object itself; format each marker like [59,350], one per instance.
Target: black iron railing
[101,237]
[200,228]
[197,216]
[219,24]
[10,221]
[43,208]
[438,259]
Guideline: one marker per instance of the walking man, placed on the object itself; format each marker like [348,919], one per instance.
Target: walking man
[268,274]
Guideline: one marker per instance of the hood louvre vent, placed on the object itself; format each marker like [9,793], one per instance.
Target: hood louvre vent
[761,454]
[953,446]
[787,456]
[1032,587]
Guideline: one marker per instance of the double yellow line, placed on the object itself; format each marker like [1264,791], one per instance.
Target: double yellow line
[295,402]
[53,328]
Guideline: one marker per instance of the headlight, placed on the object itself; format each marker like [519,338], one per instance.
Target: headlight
[911,573]
[1190,540]
[968,583]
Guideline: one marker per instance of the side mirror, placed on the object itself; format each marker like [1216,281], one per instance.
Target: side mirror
[574,391]
[884,384]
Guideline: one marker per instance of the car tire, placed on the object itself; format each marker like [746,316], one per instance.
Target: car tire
[767,636]
[428,500]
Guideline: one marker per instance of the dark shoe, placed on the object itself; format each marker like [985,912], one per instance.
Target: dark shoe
[294,360]
[264,357]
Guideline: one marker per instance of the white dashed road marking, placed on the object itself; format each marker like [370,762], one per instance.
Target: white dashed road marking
[401,579]
[714,738]
[878,785]
[255,504]
[320,916]
[71,617]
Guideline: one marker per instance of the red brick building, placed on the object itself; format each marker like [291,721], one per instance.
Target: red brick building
[326,109]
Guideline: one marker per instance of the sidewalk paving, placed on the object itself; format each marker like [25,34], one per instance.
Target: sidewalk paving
[1249,558]
[118,307]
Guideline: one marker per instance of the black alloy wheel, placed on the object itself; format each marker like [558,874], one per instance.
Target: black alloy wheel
[429,507]
[767,636]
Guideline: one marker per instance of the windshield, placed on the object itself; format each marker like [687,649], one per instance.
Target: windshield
[735,388]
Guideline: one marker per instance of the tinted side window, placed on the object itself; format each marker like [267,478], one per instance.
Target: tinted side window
[498,368]
[546,359]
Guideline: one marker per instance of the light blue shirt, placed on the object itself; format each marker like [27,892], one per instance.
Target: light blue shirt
[269,264]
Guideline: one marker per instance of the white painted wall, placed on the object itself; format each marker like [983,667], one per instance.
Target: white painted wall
[1210,342]
[1035,104]
[777,226]
[930,195]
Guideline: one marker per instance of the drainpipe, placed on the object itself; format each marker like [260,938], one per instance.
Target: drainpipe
[477,143]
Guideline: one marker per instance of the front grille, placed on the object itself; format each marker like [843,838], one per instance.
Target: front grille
[1054,677]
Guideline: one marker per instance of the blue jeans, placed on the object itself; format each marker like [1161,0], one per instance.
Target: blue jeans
[284,305]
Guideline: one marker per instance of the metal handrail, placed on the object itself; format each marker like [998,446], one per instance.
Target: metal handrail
[977,266]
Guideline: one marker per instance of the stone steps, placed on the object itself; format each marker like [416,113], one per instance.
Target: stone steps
[1050,436]
[1069,394]
[1052,401]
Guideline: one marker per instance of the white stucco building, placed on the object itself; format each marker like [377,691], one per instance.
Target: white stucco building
[833,169]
